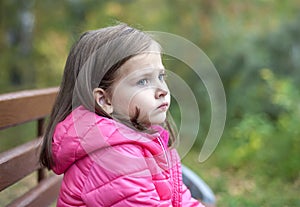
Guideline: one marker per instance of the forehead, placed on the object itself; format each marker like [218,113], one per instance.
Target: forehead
[149,60]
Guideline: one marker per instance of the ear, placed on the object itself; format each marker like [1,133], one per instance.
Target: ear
[102,99]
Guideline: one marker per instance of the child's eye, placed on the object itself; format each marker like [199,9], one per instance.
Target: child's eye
[142,82]
[162,76]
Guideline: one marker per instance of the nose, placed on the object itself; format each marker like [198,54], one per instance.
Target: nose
[160,93]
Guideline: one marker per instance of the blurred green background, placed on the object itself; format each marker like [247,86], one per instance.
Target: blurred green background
[254,45]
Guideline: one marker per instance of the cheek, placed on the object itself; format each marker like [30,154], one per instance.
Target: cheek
[120,102]
[142,100]
[126,102]
[168,98]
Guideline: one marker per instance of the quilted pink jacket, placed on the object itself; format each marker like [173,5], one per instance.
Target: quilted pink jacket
[106,163]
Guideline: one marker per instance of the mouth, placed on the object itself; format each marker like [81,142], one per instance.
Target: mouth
[163,106]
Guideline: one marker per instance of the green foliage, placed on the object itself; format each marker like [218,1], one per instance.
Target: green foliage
[250,134]
[286,96]
[272,145]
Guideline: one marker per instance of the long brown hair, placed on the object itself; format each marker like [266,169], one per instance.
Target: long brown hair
[93,62]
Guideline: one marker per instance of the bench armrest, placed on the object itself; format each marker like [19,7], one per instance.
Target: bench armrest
[199,189]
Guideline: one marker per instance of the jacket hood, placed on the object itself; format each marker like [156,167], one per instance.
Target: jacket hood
[84,132]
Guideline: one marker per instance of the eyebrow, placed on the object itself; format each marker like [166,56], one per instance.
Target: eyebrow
[145,72]
[150,70]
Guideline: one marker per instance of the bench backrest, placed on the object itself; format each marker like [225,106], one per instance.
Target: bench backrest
[18,162]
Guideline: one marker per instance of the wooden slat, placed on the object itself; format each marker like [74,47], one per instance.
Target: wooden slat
[18,162]
[44,194]
[20,107]
[15,164]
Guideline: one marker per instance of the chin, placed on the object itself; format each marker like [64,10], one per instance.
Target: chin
[158,120]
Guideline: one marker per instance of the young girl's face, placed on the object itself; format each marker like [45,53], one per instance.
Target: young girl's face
[140,86]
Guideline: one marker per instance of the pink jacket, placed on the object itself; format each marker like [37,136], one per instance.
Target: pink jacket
[106,163]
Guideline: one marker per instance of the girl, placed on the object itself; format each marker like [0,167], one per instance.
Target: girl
[108,131]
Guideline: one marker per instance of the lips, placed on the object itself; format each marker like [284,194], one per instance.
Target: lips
[163,106]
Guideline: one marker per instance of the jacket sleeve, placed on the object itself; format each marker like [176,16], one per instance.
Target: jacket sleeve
[120,176]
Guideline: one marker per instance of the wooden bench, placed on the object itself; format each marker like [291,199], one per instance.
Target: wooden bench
[21,161]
